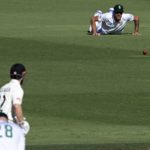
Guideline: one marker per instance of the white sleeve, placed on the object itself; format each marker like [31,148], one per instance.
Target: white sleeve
[105,16]
[129,17]
[17,96]
[99,14]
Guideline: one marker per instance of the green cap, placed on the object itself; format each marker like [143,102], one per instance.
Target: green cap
[118,8]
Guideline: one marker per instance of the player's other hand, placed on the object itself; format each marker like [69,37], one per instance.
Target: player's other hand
[136,34]
[25,126]
[96,34]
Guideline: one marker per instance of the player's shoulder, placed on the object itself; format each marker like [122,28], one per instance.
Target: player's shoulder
[15,85]
[11,86]
[4,123]
[15,126]
[5,87]
[107,16]
[127,15]
[107,13]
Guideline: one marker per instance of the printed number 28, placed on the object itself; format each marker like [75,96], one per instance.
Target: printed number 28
[8,131]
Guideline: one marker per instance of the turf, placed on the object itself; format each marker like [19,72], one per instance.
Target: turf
[81,92]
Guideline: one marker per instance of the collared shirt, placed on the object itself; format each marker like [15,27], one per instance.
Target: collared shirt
[10,94]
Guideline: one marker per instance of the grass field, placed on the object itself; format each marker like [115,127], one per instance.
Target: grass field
[81,92]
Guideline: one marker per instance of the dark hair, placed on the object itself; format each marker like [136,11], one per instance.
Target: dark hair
[3,115]
[17,70]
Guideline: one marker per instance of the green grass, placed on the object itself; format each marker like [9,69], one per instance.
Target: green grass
[81,92]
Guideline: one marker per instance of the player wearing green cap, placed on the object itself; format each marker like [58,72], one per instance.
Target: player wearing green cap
[112,22]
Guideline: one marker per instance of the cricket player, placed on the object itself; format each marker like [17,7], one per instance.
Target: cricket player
[11,135]
[11,97]
[112,22]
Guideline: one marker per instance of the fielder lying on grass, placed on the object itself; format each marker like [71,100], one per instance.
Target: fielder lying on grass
[112,22]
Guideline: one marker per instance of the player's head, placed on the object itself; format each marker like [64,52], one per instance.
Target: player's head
[118,10]
[3,116]
[17,71]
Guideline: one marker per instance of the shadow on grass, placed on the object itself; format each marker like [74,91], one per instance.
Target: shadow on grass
[20,49]
[140,146]
[113,34]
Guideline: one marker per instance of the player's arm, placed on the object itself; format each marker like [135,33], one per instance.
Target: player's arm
[18,113]
[136,25]
[93,25]
[20,120]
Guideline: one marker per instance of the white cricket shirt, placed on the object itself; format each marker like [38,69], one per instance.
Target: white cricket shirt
[11,93]
[11,136]
[107,25]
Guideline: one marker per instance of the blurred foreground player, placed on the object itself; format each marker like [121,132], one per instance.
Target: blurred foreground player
[11,135]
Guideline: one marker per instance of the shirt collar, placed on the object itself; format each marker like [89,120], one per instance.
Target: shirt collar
[15,81]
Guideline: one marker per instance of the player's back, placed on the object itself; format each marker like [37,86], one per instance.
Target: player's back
[8,93]
[6,99]
[11,137]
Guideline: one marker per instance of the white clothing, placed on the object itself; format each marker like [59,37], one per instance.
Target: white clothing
[11,136]
[97,13]
[11,93]
[107,25]
[111,9]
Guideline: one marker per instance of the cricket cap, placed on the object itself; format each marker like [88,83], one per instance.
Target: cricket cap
[118,8]
[17,71]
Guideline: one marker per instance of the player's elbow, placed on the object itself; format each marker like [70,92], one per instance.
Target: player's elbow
[136,18]
[17,105]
